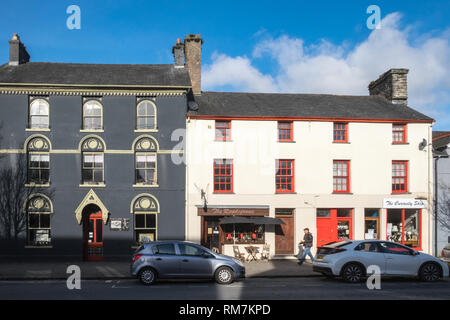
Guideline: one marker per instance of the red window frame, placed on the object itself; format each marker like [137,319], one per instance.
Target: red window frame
[223,130]
[399,133]
[339,179]
[397,175]
[285,131]
[285,172]
[223,171]
[403,228]
[340,132]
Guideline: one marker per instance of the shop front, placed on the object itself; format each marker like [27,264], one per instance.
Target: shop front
[333,225]
[221,236]
[404,221]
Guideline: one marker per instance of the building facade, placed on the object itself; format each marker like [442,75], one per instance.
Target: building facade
[99,152]
[441,145]
[352,167]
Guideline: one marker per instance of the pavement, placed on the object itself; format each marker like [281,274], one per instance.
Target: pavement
[57,270]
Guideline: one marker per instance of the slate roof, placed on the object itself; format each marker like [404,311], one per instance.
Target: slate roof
[241,104]
[95,74]
[441,139]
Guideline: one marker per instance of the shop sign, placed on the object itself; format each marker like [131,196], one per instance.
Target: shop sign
[119,224]
[406,203]
[234,212]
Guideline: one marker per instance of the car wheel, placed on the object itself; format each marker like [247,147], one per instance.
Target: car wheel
[352,273]
[147,276]
[430,272]
[224,275]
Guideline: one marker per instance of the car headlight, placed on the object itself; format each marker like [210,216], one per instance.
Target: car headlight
[238,262]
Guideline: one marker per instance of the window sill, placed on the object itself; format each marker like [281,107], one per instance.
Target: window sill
[145,130]
[92,130]
[342,193]
[396,143]
[30,185]
[38,129]
[145,185]
[286,141]
[223,140]
[394,193]
[341,142]
[100,185]
[38,247]
[293,192]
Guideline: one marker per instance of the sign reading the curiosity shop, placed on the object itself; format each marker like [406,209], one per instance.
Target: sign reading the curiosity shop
[400,203]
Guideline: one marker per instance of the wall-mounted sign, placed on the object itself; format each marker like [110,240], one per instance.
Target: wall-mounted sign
[119,224]
[404,203]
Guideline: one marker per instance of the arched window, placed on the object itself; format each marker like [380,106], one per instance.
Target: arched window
[92,170]
[145,209]
[39,114]
[146,115]
[92,115]
[38,210]
[38,161]
[145,150]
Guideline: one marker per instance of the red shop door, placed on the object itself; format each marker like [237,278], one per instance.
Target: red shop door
[93,237]
[334,225]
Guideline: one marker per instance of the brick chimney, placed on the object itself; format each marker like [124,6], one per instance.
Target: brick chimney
[392,85]
[17,52]
[193,54]
[178,54]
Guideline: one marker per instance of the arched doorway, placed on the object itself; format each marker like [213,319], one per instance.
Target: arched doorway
[92,220]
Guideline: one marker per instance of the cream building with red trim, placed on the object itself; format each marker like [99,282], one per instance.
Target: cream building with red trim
[357,167]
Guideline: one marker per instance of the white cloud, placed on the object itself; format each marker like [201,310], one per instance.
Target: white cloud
[337,69]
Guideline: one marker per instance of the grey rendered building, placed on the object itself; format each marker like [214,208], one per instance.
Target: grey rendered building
[102,147]
[441,146]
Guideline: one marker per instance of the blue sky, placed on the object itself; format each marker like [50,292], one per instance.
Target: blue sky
[281,46]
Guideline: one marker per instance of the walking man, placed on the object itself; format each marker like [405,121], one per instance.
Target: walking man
[307,244]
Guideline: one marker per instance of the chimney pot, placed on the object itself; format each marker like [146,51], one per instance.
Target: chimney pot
[193,52]
[17,52]
[392,85]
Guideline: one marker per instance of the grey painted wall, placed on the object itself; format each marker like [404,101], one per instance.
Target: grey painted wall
[119,120]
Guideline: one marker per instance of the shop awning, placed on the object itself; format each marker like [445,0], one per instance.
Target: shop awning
[250,220]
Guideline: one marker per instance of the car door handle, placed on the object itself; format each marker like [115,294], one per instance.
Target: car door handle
[158,259]
[185,260]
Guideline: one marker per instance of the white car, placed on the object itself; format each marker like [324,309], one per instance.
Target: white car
[350,260]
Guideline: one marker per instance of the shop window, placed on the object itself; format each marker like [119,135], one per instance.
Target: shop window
[340,132]
[371,224]
[285,131]
[344,213]
[341,176]
[403,226]
[92,115]
[284,176]
[39,114]
[223,130]
[223,176]
[145,209]
[399,176]
[38,155]
[243,233]
[399,133]
[146,115]
[38,209]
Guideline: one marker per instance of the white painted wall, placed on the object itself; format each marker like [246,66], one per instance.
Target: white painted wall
[254,149]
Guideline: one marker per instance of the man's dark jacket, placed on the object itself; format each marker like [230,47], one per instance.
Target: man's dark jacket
[308,240]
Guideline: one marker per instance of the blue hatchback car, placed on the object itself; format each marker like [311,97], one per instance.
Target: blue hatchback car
[183,260]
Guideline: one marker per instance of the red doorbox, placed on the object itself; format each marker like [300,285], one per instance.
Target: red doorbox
[334,225]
